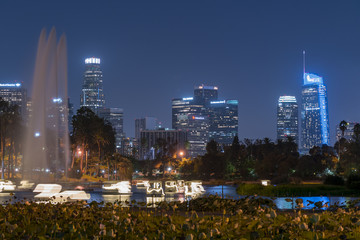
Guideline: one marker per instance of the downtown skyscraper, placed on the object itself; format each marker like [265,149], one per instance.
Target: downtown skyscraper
[92,95]
[205,117]
[314,113]
[287,118]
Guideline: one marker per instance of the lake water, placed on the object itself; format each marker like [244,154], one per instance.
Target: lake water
[140,196]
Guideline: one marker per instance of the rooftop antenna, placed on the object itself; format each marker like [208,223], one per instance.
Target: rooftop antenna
[304,61]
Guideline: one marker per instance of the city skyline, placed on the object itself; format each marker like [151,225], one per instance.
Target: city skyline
[152,53]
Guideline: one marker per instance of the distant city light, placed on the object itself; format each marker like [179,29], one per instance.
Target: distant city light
[310,78]
[217,102]
[188,99]
[37,134]
[92,61]
[57,100]
[10,84]
[198,118]
[207,87]
[287,99]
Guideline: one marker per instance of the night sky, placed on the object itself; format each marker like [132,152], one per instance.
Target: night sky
[153,51]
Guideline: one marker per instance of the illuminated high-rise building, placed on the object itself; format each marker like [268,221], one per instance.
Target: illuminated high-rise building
[287,118]
[204,94]
[204,117]
[92,95]
[191,117]
[223,121]
[314,113]
[348,133]
[15,94]
[115,116]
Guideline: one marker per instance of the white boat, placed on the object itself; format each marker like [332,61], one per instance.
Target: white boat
[143,184]
[46,191]
[51,193]
[122,187]
[181,185]
[70,196]
[26,185]
[171,187]
[155,188]
[7,186]
[193,188]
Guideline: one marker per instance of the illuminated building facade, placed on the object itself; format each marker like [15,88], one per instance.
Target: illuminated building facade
[70,115]
[204,94]
[223,121]
[287,119]
[314,113]
[130,147]
[15,94]
[152,138]
[146,123]
[191,117]
[115,116]
[348,133]
[92,95]
[204,117]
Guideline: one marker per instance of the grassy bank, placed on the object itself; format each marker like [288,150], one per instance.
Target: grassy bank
[233,219]
[301,190]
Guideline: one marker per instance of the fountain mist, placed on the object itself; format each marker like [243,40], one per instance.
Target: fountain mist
[47,138]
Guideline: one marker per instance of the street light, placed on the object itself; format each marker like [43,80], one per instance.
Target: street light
[79,152]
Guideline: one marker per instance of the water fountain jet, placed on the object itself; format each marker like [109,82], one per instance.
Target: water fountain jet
[47,138]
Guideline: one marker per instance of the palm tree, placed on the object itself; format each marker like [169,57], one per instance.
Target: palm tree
[82,126]
[343,126]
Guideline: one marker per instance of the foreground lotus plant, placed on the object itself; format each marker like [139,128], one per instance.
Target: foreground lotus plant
[203,218]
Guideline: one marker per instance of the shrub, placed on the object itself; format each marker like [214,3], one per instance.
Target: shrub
[334,180]
[280,180]
[353,181]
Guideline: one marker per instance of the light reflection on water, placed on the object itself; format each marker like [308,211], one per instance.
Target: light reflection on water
[281,203]
[139,196]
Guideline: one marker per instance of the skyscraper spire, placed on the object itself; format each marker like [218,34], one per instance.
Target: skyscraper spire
[304,61]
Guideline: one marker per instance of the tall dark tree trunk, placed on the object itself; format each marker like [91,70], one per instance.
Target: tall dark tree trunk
[82,157]
[9,162]
[3,157]
[15,159]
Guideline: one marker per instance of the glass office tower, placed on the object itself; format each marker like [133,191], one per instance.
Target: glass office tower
[223,121]
[205,118]
[314,113]
[92,95]
[287,119]
[15,94]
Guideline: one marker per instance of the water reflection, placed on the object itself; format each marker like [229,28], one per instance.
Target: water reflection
[309,202]
[152,201]
[122,198]
[139,195]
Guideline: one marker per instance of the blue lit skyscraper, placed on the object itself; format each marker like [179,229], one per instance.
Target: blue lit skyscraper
[314,113]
